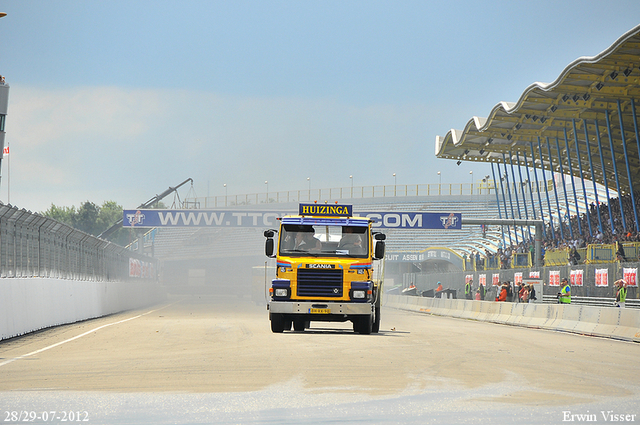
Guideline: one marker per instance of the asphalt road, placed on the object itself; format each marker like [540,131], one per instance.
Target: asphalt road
[216,360]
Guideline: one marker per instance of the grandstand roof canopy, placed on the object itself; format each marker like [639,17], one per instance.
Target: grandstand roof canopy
[589,92]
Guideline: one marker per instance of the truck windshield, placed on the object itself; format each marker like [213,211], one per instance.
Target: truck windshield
[324,241]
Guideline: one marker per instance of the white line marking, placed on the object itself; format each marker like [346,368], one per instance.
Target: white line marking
[6,362]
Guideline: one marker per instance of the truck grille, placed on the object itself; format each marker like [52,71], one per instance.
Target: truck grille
[319,283]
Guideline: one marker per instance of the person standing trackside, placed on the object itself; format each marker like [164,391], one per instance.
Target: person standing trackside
[467,289]
[564,296]
[502,294]
[621,293]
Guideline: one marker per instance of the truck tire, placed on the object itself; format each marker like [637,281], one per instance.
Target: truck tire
[363,325]
[376,321]
[299,325]
[277,323]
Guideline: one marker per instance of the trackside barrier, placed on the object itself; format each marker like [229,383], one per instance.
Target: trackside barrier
[31,304]
[610,322]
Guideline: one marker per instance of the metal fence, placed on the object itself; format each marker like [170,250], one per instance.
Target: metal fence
[32,245]
[355,192]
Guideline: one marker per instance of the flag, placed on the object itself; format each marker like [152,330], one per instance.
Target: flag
[5,151]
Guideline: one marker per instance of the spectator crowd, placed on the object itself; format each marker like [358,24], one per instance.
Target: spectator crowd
[572,233]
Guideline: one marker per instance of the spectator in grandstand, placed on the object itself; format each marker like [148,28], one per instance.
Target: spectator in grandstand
[479,262]
[574,256]
[620,252]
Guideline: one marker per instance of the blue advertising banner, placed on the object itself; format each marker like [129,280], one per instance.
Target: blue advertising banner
[261,219]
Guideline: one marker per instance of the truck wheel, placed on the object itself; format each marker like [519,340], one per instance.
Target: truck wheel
[365,325]
[376,322]
[299,325]
[277,323]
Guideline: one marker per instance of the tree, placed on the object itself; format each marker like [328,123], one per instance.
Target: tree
[91,218]
[62,214]
[86,218]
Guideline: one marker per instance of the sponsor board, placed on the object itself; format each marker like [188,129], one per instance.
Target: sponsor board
[261,219]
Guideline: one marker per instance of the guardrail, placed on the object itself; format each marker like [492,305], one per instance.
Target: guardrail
[593,301]
[617,323]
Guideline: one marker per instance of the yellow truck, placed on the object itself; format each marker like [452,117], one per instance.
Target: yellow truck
[325,269]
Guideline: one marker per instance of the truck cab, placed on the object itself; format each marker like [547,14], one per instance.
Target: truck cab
[325,269]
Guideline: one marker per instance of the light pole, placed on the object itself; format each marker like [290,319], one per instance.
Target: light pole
[309,182]
[267,183]
[439,183]
[351,177]
[471,172]
[2,15]
[395,184]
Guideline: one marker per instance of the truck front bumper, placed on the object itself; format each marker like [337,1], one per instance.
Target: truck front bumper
[309,307]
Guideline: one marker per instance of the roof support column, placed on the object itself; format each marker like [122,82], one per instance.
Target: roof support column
[584,190]
[546,188]
[573,184]
[593,176]
[506,177]
[526,163]
[615,172]
[604,177]
[626,161]
[555,189]
[495,182]
[564,188]
[524,196]
[515,192]
[504,201]
[635,127]
[533,204]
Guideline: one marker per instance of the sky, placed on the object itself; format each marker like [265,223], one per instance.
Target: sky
[119,100]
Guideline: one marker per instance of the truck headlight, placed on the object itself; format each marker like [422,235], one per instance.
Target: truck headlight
[360,294]
[281,292]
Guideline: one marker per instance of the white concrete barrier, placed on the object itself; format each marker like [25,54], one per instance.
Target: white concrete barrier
[611,322]
[31,304]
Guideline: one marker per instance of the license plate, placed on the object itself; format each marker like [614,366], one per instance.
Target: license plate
[320,310]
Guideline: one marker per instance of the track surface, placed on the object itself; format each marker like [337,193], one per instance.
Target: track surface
[201,345]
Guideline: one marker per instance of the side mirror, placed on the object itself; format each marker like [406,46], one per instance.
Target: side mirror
[269,247]
[379,250]
[379,236]
[269,233]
